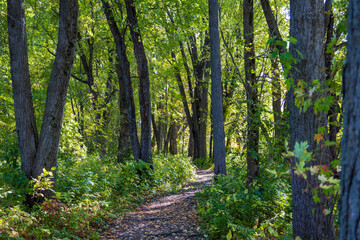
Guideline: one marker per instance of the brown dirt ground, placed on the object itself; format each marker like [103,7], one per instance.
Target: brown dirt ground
[171,216]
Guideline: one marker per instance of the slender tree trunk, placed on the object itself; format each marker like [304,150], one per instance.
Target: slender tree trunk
[144,90]
[125,77]
[124,145]
[23,103]
[216,90]
[350,152]
[253,118]
[307,27]
[173,133]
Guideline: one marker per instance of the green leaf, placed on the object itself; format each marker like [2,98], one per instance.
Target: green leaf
[229,235]
[292,40]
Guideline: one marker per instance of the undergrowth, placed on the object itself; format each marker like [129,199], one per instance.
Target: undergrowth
[229,209]
[88,192]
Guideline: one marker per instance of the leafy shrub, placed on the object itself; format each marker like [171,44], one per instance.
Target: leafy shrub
[88,191]
[232,210]
[172,172]
[204,162]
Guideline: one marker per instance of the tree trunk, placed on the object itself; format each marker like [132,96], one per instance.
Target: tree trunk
[125,77]
[307,26]
[47,152]
[124,145]
[350,152]
[35,156]
[253,118]
[23,103]
[216,90]
[173,133]
[144,90]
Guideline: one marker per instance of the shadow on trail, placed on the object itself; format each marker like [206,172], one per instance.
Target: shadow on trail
[171,216]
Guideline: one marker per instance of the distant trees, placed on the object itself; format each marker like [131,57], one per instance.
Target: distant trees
[350,194]
[40,152]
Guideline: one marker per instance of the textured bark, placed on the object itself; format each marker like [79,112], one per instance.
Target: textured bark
[23,103]
[125,78]
[41,153]
[144,89]
[216,90]
[47,152]
[350,152]
[307,26]
[124,145]
[253,117]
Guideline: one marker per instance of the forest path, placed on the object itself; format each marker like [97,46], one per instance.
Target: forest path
[172,216]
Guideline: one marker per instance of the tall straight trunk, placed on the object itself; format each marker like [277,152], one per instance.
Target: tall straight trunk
[144,89]
[47,152]
[253,117]
[125,77]
[124,145]
[216,90]
[173,134]
[23,103]
[350,152]
[307,27]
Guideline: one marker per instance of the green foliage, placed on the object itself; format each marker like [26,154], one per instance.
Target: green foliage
[88,191]
[172,172]
[232,210]
[204,163]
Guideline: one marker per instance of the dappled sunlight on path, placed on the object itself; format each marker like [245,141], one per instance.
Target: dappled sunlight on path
[171,216]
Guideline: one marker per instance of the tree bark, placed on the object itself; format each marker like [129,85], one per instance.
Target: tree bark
[253,118]
[23,103]
[125,78]
[307,27]
[350,152]
[124,145]
[41,153]
[47,152]
[216,90]
[144,90]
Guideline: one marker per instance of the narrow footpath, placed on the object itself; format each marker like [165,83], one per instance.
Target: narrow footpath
[171,216]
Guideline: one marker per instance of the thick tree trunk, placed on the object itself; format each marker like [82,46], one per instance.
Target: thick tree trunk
[23,103]
[307,26]
[350,152]
[44,154]
[144,89]
[47,152]
[125,77]
[253,118]
[216,90]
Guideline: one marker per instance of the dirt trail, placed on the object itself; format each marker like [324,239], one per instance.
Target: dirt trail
[167,217]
